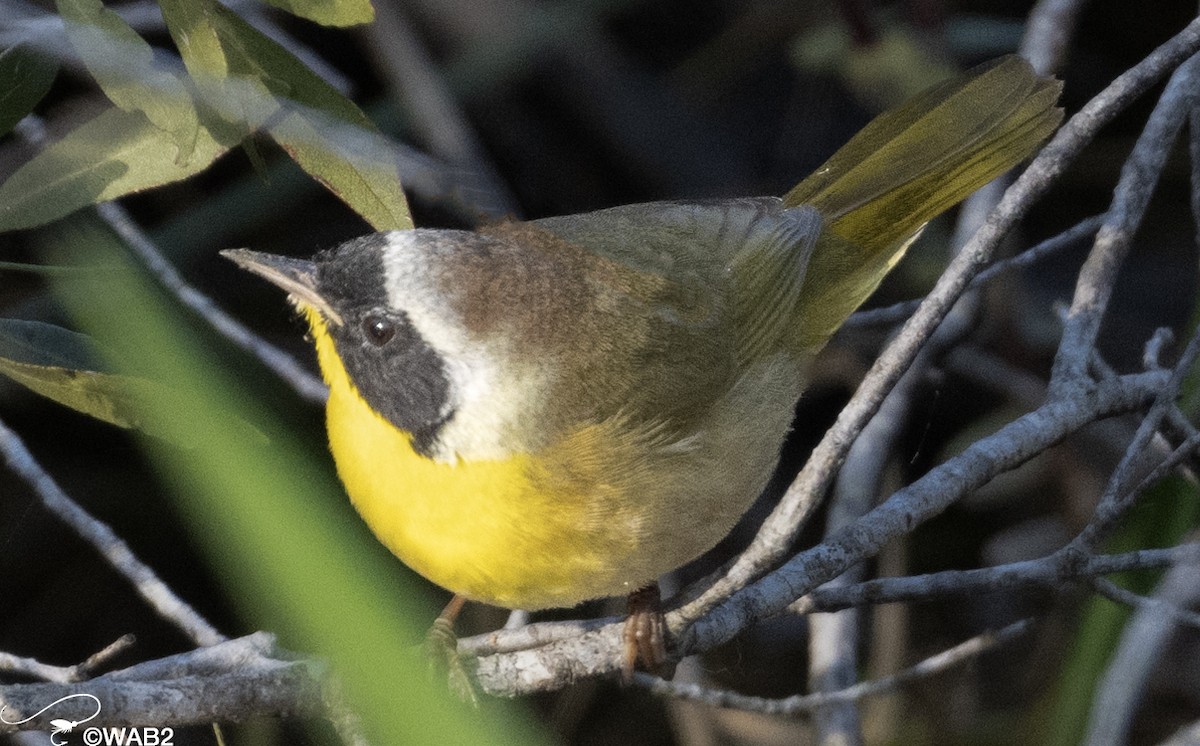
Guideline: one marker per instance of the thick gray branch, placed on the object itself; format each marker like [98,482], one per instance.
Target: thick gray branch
[229,682]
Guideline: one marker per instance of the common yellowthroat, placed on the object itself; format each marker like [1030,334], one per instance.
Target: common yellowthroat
[540,413]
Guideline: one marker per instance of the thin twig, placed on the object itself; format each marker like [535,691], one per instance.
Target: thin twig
[833,638]
[1117,594]
[1120,491]
[254,15]
[111,547]
[1142,644]
[897,312]
[1188,735]
[806,704]
[66,674]
[1045,572]
[102,657]
[15,664]
[438,120]
[1048,33]
[305,384]
[1139,175]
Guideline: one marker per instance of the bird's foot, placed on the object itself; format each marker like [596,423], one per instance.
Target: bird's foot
[441,652]
[645,636]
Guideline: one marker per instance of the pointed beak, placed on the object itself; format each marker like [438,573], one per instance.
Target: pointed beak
[298,277]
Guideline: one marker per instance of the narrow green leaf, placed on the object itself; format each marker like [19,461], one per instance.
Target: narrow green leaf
[322,130]
[191,28]
[63,365]
[357,166]
[25,77]
[40,344]
[124,66]
[236,94]
[114,154]
[329,12]
[45,270]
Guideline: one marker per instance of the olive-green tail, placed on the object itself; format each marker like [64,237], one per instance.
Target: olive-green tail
[907,166]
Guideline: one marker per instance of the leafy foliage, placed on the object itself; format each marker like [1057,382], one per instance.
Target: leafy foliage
[65,366]
[25,77]
[174,115]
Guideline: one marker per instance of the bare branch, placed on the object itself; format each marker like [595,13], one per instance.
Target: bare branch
[1117,594]
[303,382]
[1121,490]
[806,704]
[65,674]
[16,664]
[1048,33]
[940,487]
[1141,647]
[1188,735]
[230,681]
[898,312]
[437,118]
[1130,199]
[115,551]
[1045,572]
[833,638]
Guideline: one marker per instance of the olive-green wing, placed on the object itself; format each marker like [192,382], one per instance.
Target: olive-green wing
[695,290]
[744,258]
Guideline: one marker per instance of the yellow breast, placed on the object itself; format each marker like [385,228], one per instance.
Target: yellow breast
[488,530]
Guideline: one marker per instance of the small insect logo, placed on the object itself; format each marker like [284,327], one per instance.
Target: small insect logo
[58,725]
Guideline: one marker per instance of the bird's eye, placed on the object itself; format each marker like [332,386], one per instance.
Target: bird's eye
[379,329]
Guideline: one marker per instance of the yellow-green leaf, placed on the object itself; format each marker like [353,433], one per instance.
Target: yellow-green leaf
[356,165]
[321,129]
[124,66]
[114,154]
[231,89]
[62,365]
[25,77]
[329,12]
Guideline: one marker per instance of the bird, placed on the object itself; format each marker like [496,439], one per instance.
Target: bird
[537,413]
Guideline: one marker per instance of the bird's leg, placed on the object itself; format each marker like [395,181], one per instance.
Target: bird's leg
[645,635]
[441,646]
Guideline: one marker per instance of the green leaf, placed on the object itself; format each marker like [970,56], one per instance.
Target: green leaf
[329,12]
[45,270]
[114,154]
[63,365]
[25,77]
[123,65]
[356,166]
[231,89]
[322,130]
